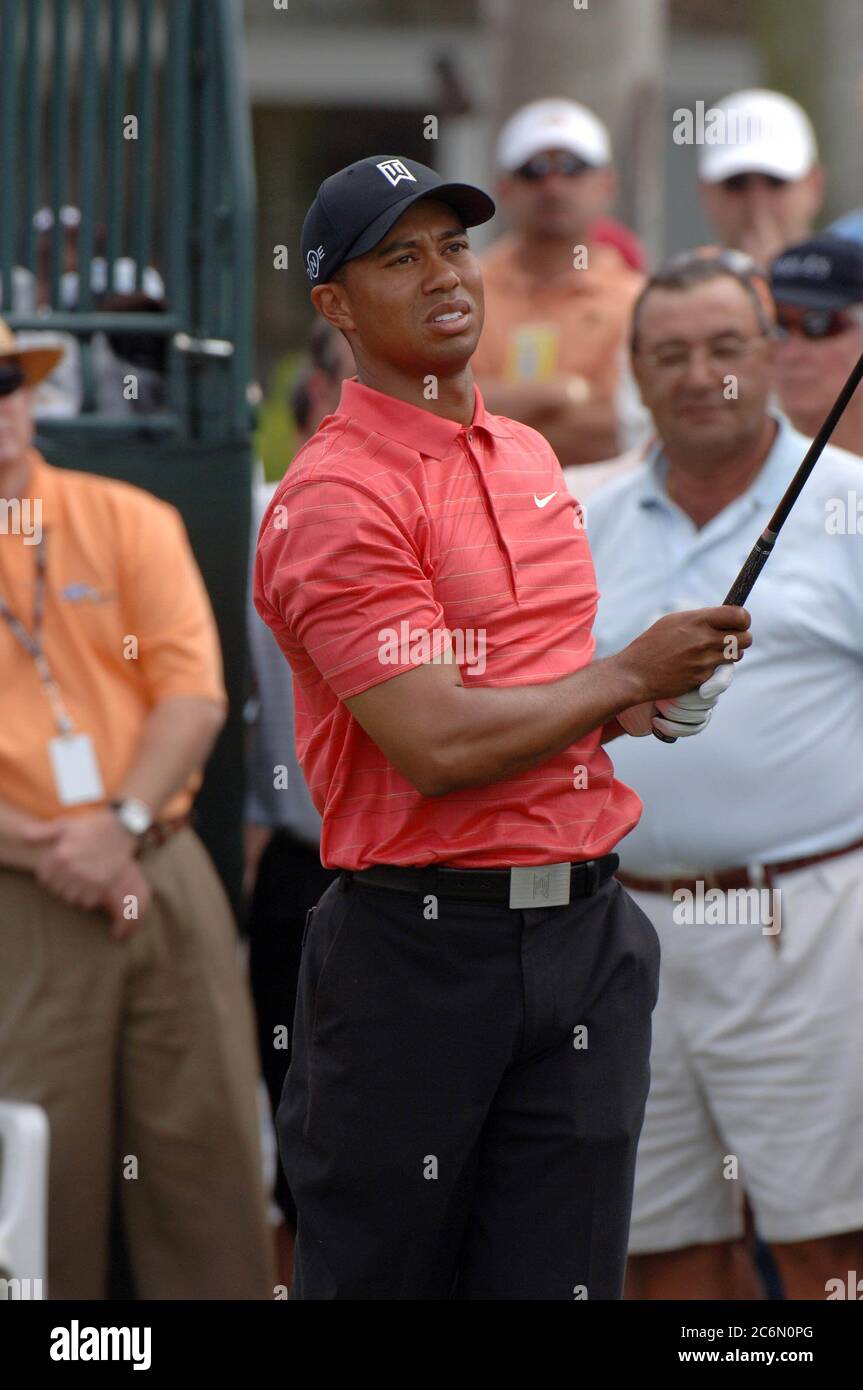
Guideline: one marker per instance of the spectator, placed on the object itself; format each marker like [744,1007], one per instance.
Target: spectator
[762,187]
[115,357]
[557,301]
[138,1041]
[818,288]
[589,478]
[283,827]
[758,1031]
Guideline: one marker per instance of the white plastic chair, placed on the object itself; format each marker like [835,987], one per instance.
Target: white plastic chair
[24,1138]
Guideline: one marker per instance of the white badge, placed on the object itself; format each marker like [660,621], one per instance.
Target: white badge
[545,886]
[76,772]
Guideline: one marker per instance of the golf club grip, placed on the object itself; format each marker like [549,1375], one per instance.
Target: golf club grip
[752,567]
[741,588]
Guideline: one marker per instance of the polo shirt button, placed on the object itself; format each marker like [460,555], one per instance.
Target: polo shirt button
[470,439]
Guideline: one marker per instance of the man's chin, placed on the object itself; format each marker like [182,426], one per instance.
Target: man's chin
[702,432]
[451,355]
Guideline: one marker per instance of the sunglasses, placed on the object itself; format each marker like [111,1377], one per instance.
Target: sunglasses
[11,378]
[739,263]
[738,183]
[815,323]
[560,163]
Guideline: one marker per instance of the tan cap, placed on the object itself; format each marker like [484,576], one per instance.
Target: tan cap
[36,361]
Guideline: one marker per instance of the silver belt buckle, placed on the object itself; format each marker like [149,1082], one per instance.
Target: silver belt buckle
[546,885]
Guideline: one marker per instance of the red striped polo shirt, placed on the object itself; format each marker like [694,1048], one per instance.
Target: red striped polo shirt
[395,538]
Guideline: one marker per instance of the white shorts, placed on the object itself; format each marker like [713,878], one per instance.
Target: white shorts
[757,1056]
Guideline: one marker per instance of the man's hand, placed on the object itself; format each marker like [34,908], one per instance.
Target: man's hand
[680,718]
[680,652]
[126,900]
[86,857]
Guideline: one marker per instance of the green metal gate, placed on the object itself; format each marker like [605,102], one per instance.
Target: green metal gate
[135,112]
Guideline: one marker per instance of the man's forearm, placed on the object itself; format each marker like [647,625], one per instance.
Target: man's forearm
[585,433]
[16,852]
[578,433]
[502,732]
[175,742]
[535,403]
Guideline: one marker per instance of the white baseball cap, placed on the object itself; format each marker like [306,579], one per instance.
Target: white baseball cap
[553,124]
[765,133]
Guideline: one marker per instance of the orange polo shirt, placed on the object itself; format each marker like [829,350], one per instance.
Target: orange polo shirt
[575,325]
[119,572]
[394,535]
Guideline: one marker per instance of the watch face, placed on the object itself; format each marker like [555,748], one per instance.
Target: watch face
[135,817]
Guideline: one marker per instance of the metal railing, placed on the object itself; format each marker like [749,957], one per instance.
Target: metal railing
[132,113]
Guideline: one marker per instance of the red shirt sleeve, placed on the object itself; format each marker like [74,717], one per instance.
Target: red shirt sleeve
[341,582]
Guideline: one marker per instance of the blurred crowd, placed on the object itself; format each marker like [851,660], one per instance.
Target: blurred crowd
[679,400]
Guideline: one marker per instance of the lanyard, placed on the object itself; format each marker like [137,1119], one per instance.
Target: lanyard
[32,642]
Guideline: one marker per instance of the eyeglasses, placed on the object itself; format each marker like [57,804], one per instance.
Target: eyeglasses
[561,162]
[738,183]
[814,323]
[11,378]
[721,353]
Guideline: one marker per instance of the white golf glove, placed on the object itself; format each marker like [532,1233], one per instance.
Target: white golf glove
[683,716]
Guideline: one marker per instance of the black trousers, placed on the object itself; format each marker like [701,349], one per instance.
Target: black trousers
[466,1092]
[289,881]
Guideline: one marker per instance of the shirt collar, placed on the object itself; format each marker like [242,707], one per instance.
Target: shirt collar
[765,489]
[410,425]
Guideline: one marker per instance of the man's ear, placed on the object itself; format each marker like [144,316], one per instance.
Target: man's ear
[610,182]
[637,376]
[817,179]
[332,303]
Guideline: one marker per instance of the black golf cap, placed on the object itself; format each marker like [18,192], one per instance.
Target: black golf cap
[354,209]
[824,273]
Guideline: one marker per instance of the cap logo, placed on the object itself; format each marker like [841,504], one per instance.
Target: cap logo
[394,171]
[313,262]
[814,266]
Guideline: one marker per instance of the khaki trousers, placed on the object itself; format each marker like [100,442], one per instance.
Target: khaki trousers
[142,1053]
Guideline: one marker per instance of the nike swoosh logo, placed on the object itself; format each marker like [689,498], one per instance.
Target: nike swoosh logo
[543,501]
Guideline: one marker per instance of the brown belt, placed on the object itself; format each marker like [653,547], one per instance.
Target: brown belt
[162,830]
[732,878]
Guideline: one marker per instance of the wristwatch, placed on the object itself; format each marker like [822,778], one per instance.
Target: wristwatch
[134,815]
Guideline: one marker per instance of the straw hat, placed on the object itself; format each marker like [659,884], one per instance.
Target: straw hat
[37,361]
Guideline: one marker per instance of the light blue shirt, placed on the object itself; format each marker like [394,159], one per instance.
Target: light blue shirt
[778,773]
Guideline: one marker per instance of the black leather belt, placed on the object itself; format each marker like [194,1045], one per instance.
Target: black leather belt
[480,885]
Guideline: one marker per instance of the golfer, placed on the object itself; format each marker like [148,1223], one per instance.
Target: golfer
[472,1027]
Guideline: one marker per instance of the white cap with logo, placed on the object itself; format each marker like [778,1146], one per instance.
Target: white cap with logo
[764,133]
[553,124]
